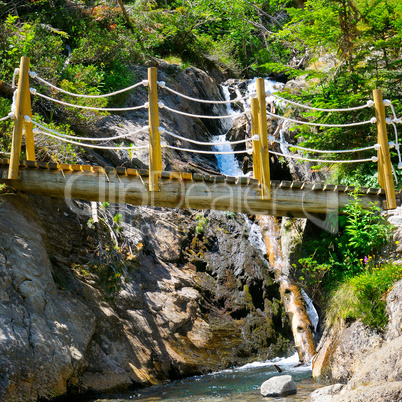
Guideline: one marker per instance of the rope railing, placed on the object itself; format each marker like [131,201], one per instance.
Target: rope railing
[372,159]
[396,144]
[387,102]
[272,139]
[373,120]
[101,109]
[247,151]
[164,131]
[116,137]
[369,104]
[201,116]
[162,84]
[38,131]
[34,75]
[6,117]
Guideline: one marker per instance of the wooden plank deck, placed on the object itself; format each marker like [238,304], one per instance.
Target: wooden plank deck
[182,190]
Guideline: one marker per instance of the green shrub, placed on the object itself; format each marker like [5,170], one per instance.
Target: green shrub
[331,258]
[362,297]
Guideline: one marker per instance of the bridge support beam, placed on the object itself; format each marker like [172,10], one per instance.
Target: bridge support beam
[155,153]
[256,143]
[385,179]
[183,190]
[263,133]
[22,109]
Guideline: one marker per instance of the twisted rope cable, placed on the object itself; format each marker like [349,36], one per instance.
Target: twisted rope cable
[16,72]
[37,131]
[369,103]
[387,102]
[396,144]
[372,121]
[206,152]
[272,139]
[90,138]
[162,84]
[372,159]
[35,92]
[233,116]
[35,76]
[163,130]
[6,117]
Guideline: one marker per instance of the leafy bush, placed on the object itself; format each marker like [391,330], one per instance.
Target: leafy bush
[331,258]
[363,296]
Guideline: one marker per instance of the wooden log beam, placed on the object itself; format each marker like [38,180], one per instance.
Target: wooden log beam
[188,191]
[384,159]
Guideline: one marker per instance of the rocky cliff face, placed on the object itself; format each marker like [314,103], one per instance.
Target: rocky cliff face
[142,296]
[364,364]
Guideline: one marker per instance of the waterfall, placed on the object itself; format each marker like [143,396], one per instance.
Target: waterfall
[311,311]
[227,163]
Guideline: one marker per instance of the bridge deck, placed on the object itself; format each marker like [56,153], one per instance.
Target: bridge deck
[182,190]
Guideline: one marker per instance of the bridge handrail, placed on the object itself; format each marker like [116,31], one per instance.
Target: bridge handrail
[34,75]
[38,131]
[163,130]
[369,103]
[162,84]
[201,116]
[372,159]
[29,120]
[373,120]
[198,151]
[102,109]
[272,139]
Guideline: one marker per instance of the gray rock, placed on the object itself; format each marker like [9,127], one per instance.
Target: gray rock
[384,392]
[341,352]
[394,310]
[382,365]
[325,394]
[279,386]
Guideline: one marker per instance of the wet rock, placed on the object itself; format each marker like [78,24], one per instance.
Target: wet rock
[279,386]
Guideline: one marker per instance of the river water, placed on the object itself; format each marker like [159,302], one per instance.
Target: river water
[238,384]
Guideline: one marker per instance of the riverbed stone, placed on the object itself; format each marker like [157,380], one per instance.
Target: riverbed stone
[279,386]
[325,394]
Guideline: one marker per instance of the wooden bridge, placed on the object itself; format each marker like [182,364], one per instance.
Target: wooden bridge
[183,190]
[258,195]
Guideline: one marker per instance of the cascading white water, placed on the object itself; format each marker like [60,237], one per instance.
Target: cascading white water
[311,311]
[227,163]
[255,237]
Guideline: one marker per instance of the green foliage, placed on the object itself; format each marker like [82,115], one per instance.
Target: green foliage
[332,258]
[202,223]
[363,296]
[114,257]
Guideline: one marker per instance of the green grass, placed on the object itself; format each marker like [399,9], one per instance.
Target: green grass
[363,296]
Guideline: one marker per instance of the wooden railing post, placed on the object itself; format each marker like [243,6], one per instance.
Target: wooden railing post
[29,138]
[385,178]
[22,108]
[155,154]
[263,133]
[256,144]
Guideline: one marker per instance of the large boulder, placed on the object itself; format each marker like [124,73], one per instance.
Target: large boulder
[341,352]
[279,386]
